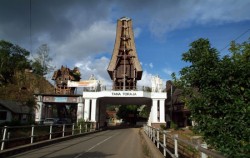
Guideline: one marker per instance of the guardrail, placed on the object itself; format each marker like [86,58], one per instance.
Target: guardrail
[111,88]
[164,138]
[13,136]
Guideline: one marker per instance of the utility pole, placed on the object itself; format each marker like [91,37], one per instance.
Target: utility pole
[171,103]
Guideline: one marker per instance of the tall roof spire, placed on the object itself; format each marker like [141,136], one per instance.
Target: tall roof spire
[124,68]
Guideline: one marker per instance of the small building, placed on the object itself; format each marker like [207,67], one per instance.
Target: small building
[14,111]
[176,111]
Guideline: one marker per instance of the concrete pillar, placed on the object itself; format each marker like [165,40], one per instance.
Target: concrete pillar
[86,109]
[39,112]
[93,110]
[153,112]
[149,119]
[80,110]
[162,111]
[39,109]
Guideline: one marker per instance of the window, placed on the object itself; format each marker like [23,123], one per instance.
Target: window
[3,115]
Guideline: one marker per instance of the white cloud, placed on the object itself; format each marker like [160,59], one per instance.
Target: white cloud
[168,71]
[145,80]
[97,67]
[83,44]
[137,32]
[78,31]
[177,15]
[151,65]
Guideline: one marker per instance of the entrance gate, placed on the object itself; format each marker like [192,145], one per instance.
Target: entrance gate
[124,70]
[95,103]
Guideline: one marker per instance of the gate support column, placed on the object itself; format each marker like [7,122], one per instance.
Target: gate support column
[80,108]
[162,111]
[93,110]
[154,111]
[86,109]
[157,114]
[39,110]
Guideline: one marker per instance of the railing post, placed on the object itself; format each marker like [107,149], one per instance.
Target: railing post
[203,155]
[73,128]
[8,135]
[150,133]
[80,128]
[154,135]
[158,138]
[175,145]
[147,129]
[4,137]
[63,130]
[32,134]
[50,131]
[151,129]
[164,144]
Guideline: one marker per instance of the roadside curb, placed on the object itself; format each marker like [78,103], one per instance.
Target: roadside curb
[20,149]
[153,151]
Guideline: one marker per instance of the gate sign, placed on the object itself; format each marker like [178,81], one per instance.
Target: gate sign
[84,83]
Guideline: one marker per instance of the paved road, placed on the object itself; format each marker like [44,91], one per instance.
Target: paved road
[120,143]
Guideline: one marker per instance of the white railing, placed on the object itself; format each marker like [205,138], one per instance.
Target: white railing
[169,143]
[111,88]
[13,136]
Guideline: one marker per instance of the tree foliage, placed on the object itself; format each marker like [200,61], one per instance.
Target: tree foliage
[125,111]
[13,58]
[217,92]
[16,83]
[42,63]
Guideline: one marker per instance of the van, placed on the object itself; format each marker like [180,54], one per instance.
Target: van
[50,121]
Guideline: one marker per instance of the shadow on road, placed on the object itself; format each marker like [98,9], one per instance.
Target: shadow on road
[84,155]
[123,127]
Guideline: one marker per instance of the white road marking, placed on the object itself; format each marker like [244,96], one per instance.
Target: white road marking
[95,146]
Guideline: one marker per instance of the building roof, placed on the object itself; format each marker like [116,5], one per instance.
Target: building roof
[15,107]
[176,97]
[176,94]
[135,60]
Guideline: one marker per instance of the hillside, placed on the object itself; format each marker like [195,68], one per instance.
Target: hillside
[24,86]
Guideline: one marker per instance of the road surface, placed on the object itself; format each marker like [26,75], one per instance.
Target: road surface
[119,143]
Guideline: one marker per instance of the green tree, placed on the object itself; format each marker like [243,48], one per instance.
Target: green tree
[42,63]
[217,93]
[126,111]
[13,58]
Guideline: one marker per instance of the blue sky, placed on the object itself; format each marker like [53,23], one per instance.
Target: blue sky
[82,33]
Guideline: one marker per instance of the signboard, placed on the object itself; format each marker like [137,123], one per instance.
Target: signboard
[60,99]
[122,94]
[84,83]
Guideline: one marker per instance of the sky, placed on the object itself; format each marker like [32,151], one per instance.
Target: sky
[82,32]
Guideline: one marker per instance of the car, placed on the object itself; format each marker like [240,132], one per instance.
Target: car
[63,121]
[50,121]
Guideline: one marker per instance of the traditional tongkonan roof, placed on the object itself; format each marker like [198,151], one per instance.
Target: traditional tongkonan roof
[124,43]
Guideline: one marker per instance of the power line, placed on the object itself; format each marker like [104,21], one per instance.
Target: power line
[235,39]
[30,28]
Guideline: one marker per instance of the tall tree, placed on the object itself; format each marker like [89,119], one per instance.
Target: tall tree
[42,63]
[217,93]
[13,58]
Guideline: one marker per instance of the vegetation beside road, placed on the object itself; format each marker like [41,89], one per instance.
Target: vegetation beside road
[216,91]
